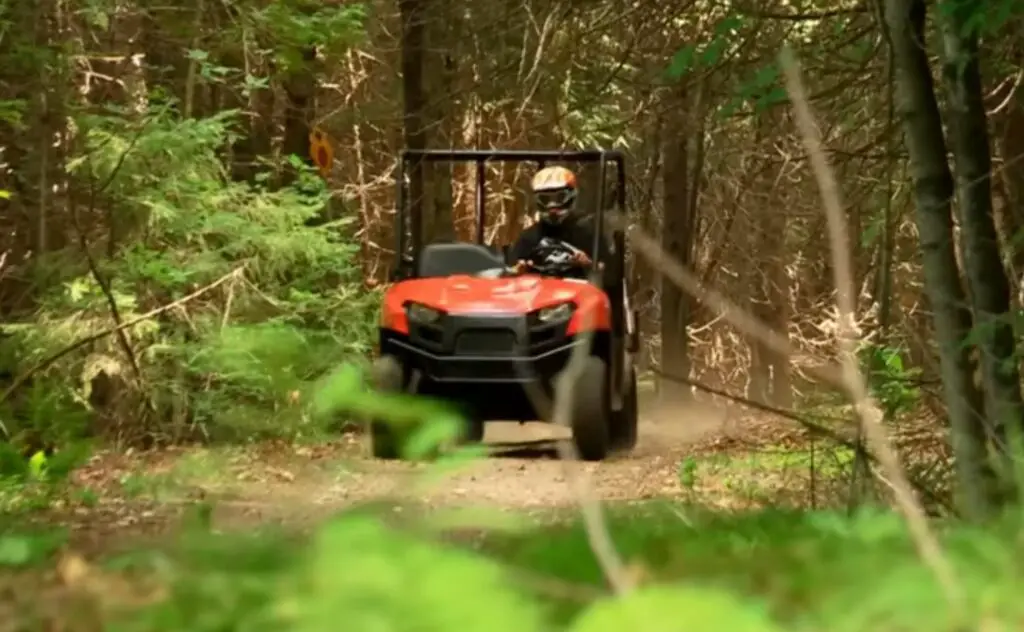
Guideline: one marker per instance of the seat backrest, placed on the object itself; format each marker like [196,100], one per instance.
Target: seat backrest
[446,259]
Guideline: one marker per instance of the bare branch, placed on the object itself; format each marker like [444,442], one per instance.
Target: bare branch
[81,342]
[869,413]
[647,247]
[598,534]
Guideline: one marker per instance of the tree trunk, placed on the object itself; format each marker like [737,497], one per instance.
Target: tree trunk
[933,190]
[986,276]
[677,240]
[438,62]
[1010,137]
[413,106]
[644,278]
[770,377]
[778,295]
[300,90]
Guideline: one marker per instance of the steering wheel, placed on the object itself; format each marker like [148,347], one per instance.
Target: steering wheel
[555,258]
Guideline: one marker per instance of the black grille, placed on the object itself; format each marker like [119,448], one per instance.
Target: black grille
[432,335]
[486,341]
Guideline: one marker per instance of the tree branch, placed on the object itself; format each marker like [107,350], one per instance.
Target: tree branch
[78,344]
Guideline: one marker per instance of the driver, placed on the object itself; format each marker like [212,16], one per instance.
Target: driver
[554,191]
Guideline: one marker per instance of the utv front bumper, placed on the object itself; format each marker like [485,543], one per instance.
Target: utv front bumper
[484,362]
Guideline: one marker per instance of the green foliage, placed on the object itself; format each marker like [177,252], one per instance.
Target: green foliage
[299,24]
[19,549]
[706,572]
[236,361]
[756,92]
[978,19]
[354,571]
[814,571]
[425,424]
[892,382]
[706,55]
[665,608]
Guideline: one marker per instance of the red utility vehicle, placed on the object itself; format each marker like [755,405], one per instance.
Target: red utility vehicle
[459,324]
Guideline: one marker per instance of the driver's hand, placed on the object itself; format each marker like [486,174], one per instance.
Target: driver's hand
[581,259]
[521,266]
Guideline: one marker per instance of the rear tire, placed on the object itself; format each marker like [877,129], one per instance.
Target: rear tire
[624,421]
[590,414]
[386,376]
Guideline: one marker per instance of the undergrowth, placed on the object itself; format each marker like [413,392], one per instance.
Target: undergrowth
[697,570]
[694,569]
[165,221]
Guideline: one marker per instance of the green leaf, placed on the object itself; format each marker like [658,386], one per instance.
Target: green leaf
[682,62]
[432,434]
[728,25]
[674,608]
[37,466]
[711,55]
[15,550]
[363,576]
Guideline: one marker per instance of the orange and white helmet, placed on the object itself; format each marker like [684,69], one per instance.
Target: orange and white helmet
[554,190]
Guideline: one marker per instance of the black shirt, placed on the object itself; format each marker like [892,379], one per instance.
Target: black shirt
[578,233]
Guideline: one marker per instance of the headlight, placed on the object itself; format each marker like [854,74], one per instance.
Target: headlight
[422,314]
[555,314]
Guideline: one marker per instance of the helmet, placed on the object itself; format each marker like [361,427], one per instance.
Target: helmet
[554,190]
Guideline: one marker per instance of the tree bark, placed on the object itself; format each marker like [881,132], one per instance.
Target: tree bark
[439,116]
[677,237]
[986,276]
[413,106]
[770,377]
[300,90]
[1010,135]
[933,190]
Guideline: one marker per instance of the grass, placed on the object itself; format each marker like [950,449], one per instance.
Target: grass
[702,568]
[783,569]
[769,476]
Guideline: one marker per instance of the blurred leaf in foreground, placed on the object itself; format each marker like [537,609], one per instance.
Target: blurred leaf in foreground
[675,608]
[364,576]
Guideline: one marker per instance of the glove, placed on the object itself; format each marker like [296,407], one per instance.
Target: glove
[521,266]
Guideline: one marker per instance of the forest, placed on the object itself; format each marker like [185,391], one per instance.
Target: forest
[824,203]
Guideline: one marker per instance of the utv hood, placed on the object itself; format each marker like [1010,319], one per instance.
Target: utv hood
[473,295]
[514,296]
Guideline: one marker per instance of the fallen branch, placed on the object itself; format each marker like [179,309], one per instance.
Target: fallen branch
[78,344]
[869,413]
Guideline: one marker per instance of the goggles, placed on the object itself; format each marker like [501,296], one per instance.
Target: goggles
[555,199]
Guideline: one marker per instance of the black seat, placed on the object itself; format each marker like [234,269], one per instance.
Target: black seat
[441,260]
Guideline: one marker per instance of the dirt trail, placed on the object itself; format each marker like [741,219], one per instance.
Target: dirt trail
[147,494]
[523,472]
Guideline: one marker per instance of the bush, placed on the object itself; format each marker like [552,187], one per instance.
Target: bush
[234,361]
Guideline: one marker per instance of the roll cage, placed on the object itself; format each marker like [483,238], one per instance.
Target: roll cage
[409,222]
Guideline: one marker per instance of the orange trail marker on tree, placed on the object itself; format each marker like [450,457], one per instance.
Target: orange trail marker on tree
[321,152]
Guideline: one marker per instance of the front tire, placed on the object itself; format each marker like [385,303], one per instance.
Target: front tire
[386,376]
[624,421]
[590,411]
